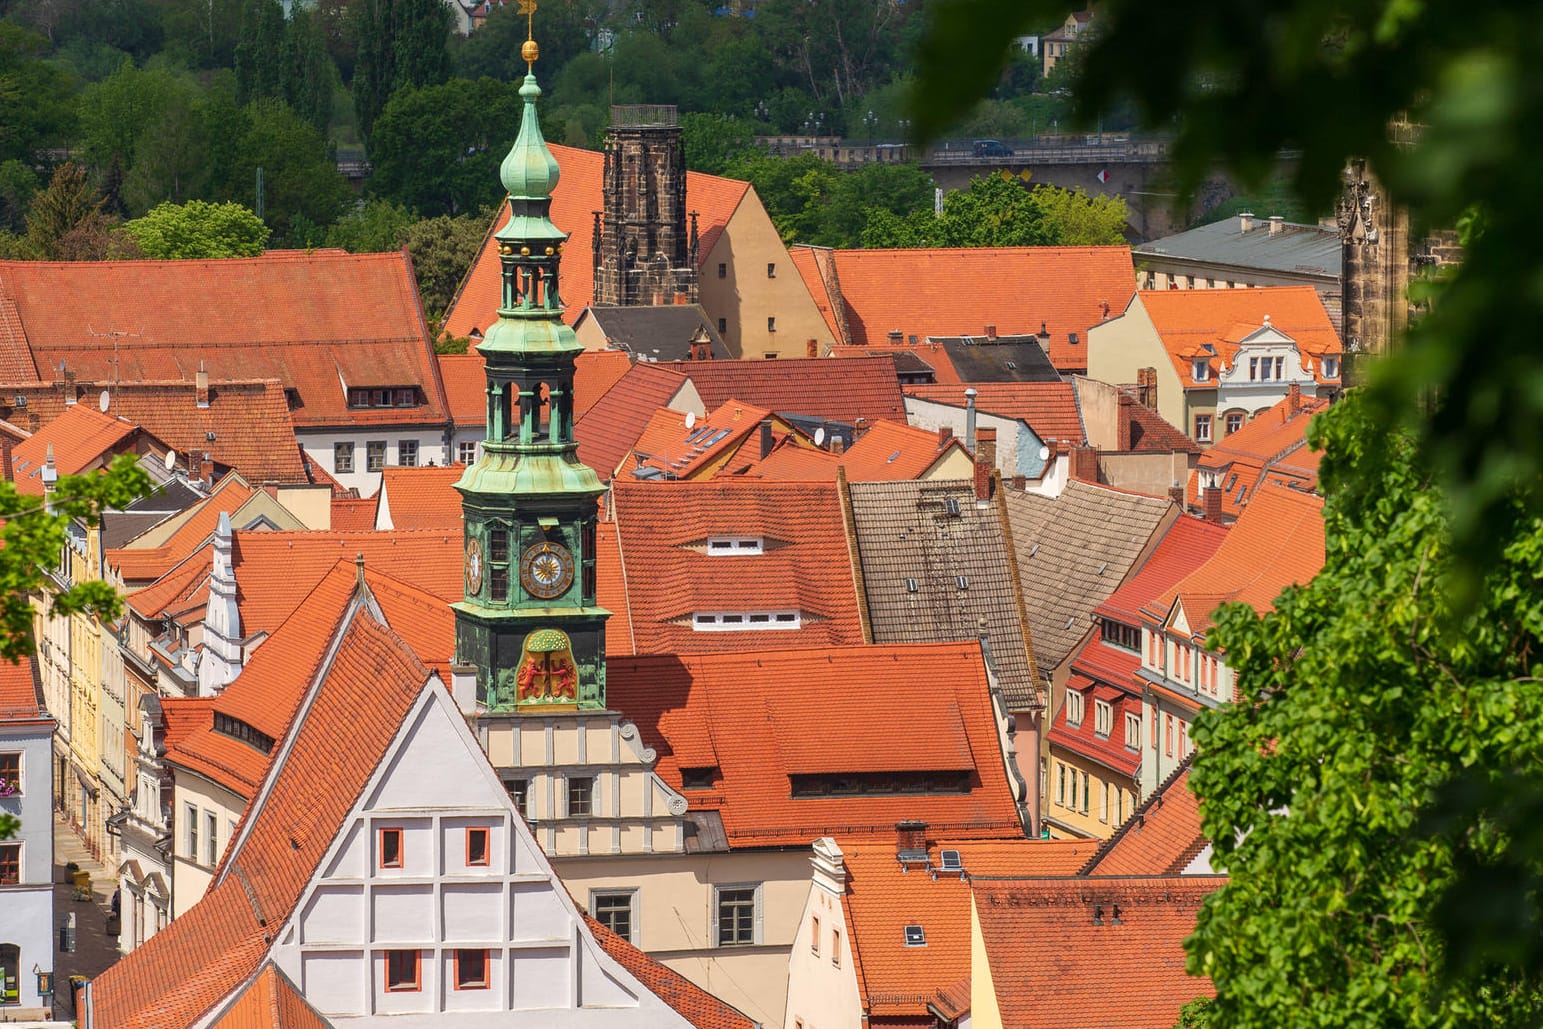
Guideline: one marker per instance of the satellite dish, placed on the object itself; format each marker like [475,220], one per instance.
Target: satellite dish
[690,420]
[103,401]
[1044,452]
[170,460]
[819,437]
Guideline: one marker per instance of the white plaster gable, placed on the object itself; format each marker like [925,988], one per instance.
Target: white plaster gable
[1177,620]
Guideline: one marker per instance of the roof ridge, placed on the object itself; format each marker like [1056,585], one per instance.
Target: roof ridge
[1137,815]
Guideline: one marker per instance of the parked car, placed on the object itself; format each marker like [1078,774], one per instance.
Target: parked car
[992,148]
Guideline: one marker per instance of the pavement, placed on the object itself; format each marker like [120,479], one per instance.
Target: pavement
[94,950]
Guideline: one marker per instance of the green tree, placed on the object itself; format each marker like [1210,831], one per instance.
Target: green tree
[398,43]
[197,229]
[258,46]
[1080,219]
[171,159]
[437,149]
[442,250]
[118,111]
[1196,1014]
[715,141]
[565,27]
[308,79]
[34,95]
[374,226]
[996,211]
[65,221]
[300,179]
[18,183]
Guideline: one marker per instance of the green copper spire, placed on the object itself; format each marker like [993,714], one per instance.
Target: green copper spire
[529,171]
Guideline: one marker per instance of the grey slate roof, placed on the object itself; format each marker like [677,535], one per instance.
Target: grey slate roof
[660,333]
[1296,250]
[1008,359]
[1073,551]
[909,531]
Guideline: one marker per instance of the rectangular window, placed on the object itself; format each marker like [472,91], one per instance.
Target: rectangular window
[1155,718]
[737,916]
[835,948]
[614,910]
[190,816]
[771,271]
[1085,792]
[1103,717]
[471,969]
[375,455]
[723,270]
[1060,784]
[1234,422]
[1168,735]
[519,793]
[1103,803]
[407,453]
[1183,738]
[389,850]
[1202,371]
[477,849]
[1253,369]
[1331,367]
[10,774]
[1126,637]
[342,458]
[359,398]
[10,864]
[1202,428]
[211,841]
[466,452]
[1074,709]
[771,323]
[814,937]
[1280,368]
[403,970]
[581,790]
[406,397]
[498,564]
[723,326]
[1132,731]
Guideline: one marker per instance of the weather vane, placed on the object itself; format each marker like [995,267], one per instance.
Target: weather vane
[529,50]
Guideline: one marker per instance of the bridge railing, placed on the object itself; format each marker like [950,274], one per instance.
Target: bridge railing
[1139,151]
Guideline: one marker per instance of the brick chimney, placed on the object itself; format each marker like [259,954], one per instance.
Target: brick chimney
[5,459]
[206,468]
[945,435]
[766,437]
[985,461]
[1245,221]
[991,332]
[1212,500]
[1176,494]
[1293,399]
[859,429]
[837,445]
[1146,387]
[1124,422]
[1277,224]
[896,337]
[911,837]
[1084,464]
[812,348]
[201,383]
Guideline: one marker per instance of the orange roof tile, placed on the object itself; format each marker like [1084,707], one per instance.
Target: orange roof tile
[146,564]
[663,530]
[596,371]
[1144,431]
[1188,543]
[1188,319]
[694,1004]
[353,513]
[1049,408]
[82,439]
[19,692]
[883,897]
[292,316]
[674,450]
[610,427]
[1266,442]
[465,378]
[834,388]
[577,196]
[1161,837]
[791,461]
[611,589]
[1276,542]
[745,713]
[271,1001]
[951,292]
[930,353]
[892,451]
[1108,749]
[1053,968]
[422,498]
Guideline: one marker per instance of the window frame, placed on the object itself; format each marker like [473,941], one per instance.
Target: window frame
[374,456]
[630,896]
[835,948]
[587,793]
[17,862]
[17,779]
[1233,420]
[212,842]
[814,935]
[190,815]
[720,898]
[456,980]
[519,795]
[407,453]
[1076,707]
[1201,371]
[381,834]
[487,846]
[466,452]
[1203,428]
[1132,731]
[1103,718]
[403,986]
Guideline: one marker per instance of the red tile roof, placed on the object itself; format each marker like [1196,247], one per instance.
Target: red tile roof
[690,1001]
[671,448]
[1276,542]
[294,316]
[353,513]
[1161,837]
[19,692]
[761,717]
[1189,319]
[663,530]
[595,372]
[466,383]
[1083,738]
[271,1001]
[1049,408]
[422,498]
[891,451]
[834,388]
[610,427]
[951,292]
[1144,431]
[138,565]
[577,196]
[1263,444]
[932,354]
[791,460]
[883,898]
[82,438]
[1188,543]
[1053,968]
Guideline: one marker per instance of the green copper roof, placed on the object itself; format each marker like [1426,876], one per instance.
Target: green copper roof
[529,172]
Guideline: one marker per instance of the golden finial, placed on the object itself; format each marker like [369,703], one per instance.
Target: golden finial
[529,51]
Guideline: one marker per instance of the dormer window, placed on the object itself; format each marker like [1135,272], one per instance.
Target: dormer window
[1103,717]
[1118,634]
[1202,371]
[1331,367]
[731,621]
[724,545]
[391,396]
[1074,707]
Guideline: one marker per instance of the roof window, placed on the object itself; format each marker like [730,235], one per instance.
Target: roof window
[722,545]
[731,621]
[949,861]
[915,936]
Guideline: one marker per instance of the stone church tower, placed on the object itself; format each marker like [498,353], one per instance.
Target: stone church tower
[644,252]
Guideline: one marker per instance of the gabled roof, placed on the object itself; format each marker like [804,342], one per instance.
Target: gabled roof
[421,498]
[1018,358]
[661,332]
[910,359]
[595,372]
[19,692]
[790,461]
[466,383]
[82,439]
[1294,248]
[294,316]
[1144,431]
[1187,544]
[1189,321]
[1275,440]
[884,897]
[1049,408]
[1053,968]
[1073,551]
[578,195]
[246,424]
[663,530]
[1083,738]
[832,388]
[613,423]
[140,564]
[893,451]
[271,1001]
[353,513]
[670,448]
[931,574]
[1161,837]
[947,292]
[695,1004]
[763,717]
[1276,542]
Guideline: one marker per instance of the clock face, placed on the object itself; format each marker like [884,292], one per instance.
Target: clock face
[473,566]
[546,570]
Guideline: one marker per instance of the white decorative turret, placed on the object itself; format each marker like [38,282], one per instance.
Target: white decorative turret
[221,660]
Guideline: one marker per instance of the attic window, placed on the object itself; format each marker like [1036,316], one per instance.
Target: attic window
[393,396]
[951,505]
[236,729]
[910,585]
[722,545]
[962,581]
[291,397]
[731,621]
[877,784]
[915,936]
[699,778]
[948,861]
[1202,371]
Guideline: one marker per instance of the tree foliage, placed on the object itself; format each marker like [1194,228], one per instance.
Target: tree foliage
[813,201]
[34,95]
[714,142]
[198,229]
[65,222]
[398,43]
[437,149]
[997,211]
[442,250]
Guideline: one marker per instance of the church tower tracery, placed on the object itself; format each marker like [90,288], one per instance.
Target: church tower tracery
[645,250]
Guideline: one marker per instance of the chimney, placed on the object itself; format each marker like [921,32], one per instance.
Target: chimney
[1212,500]
[859,429]
[1104,306]
[837,445]
[991,332]
[1084,464]
[969,419]
[911,838]
[1176,494]
[896,337]
[201,381]
[5,459]
[1246,221]
[1124,419]
[766,438]
[1293,400]
[1020,482]
[206,469]
[945,435]
[1146,387]
[812,348]
[659,300]
[50,471]
[1277,225]
[681,300]
[985,462]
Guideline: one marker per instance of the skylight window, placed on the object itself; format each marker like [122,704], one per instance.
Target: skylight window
[948,861]
[915,936]
[709,441]
[722,545]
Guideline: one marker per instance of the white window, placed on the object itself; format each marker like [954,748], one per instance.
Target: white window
[10,774]
[737,909]
[736,621]
[1202,428]
[466,452]
[190,817]
[617,910]
[1331,367]
[212,838]
[375,455]
[1280,368]
[724,545]
[1253,369]
[342,458]
[1074,701]
[1103,717]
[1202,371]
[1132,730]
[407,453]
